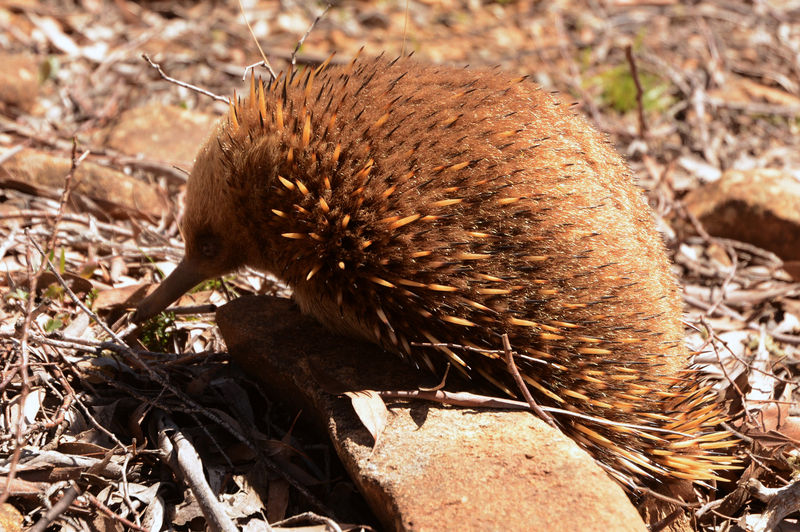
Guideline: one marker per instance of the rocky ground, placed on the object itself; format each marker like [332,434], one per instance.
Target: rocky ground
[100,119]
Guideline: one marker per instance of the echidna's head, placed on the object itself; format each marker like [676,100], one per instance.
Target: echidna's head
[213,233]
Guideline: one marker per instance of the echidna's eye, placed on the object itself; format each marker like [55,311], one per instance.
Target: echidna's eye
[208,247]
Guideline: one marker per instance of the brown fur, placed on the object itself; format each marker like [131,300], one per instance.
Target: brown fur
[406,203]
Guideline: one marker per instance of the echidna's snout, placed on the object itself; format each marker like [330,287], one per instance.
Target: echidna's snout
[185,276]
[215,241]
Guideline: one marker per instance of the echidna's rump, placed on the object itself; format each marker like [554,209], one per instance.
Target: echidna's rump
[406,203]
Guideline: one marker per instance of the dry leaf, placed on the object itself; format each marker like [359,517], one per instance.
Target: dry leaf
[792,267]
[719,254]
[118,297]
[76,283]
[371,410]
[769,94]
[154,514]
[33,402]
[78,326]
[118,268]
[277,500]
[30,409]
[23,488]
[247,500]
[82,448]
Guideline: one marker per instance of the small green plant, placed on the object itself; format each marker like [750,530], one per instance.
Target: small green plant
[618,89]
[18,294]
[209,284]
[216,284]
[157,332]
[53,324]
[90,298]
[54,292]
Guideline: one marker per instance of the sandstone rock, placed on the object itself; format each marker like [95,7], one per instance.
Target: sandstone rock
[117,193]
[761,207]
[161,132]
[19,81]
[434,467]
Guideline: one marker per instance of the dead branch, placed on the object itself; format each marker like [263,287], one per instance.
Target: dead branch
[183,83]
[780,503]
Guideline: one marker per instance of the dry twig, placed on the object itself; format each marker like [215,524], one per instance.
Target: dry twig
[523,388]
[780,503]
[183,84]
[639,91]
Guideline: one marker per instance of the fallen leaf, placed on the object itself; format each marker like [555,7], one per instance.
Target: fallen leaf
[277,500]
[76,283]
[82,448]
[120,297]
[792,267]
[371,410]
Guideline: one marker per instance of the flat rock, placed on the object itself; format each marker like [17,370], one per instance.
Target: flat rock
[433,467]
[761,207]
[118,194]
[19,81]
[164,133]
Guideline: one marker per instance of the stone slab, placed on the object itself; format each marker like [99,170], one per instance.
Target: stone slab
[434,467]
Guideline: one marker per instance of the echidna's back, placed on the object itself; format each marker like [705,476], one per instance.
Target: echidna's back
[508,183]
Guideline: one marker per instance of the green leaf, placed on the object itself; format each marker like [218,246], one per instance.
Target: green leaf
[53,324]
[18,294]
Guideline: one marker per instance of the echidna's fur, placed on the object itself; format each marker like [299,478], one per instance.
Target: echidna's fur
[406,203]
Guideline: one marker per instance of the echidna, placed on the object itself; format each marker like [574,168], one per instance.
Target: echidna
[409,204]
